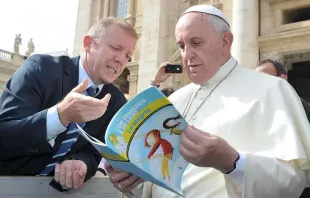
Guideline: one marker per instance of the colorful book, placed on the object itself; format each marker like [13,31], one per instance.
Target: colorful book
[143,138]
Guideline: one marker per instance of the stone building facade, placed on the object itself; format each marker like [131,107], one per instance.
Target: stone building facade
[262,29]
[9,63]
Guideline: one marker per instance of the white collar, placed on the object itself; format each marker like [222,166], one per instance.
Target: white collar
[221,73]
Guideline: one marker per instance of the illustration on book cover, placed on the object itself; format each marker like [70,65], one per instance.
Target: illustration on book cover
[143,138]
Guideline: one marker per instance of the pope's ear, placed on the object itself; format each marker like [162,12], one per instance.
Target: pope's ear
[227,39]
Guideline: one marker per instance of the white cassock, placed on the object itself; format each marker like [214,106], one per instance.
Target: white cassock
[260,116]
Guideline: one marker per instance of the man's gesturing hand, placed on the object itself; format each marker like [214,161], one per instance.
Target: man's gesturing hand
[76,107]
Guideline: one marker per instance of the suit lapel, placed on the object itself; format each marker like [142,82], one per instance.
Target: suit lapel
[70,75]
[70,78]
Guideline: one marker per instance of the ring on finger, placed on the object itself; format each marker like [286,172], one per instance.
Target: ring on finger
[119,185]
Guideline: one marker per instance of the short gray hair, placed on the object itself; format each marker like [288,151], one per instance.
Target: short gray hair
[219,25]
[98,30]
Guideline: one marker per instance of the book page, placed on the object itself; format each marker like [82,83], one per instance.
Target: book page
[146,131]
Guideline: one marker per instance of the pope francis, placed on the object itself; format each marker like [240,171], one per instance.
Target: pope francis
[248,136]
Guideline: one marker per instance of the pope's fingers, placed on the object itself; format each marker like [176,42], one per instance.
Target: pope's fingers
[108,167]
[185,151]
[193,134]
[202,132]
[117,177]
[136,183]
[129,188]
[187,143]
[129,181]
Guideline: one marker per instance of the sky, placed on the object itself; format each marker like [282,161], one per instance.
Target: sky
[50,23]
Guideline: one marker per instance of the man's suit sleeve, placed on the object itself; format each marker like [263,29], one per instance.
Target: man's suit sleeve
[22,122]
[90,155]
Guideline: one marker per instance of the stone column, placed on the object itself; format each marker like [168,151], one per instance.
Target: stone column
[132,78]
[157,38]
[87,15]
[245,28]
[106,8]
[131,12]
[112,7]
[100,9]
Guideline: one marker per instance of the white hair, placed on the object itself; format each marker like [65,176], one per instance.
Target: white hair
[219,25]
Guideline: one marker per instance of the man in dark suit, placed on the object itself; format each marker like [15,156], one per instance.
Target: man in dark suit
[44,99]
[275,68]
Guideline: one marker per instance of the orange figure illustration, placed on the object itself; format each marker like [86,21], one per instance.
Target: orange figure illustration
[153,139]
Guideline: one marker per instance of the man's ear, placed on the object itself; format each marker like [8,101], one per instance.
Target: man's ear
[87,42]
[227,39]
[283,76]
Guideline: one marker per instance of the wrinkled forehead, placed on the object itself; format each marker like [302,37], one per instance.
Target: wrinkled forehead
[192,24]
[192,19]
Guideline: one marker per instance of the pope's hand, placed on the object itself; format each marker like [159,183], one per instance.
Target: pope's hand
[206,150]
[123,180]
[76,107]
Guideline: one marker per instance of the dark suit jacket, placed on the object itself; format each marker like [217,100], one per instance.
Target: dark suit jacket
[306,107]
[40,83]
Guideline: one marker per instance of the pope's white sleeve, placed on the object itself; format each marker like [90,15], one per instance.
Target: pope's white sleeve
[237,175]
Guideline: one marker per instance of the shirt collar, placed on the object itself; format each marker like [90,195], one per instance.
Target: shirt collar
[221,73]
[83,75]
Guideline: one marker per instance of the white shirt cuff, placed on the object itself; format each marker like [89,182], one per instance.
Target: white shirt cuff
[53,124]
[237,175]
[101,165]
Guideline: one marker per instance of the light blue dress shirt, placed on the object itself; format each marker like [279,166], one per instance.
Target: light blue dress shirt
[53,124]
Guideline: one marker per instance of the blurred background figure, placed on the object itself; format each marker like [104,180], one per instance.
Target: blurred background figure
[276,68]
[167,91]
[272,67]
[128,97]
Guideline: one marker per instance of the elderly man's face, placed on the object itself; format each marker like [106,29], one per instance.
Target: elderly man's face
[201,48]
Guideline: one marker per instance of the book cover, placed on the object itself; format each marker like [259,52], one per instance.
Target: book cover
[143,138]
